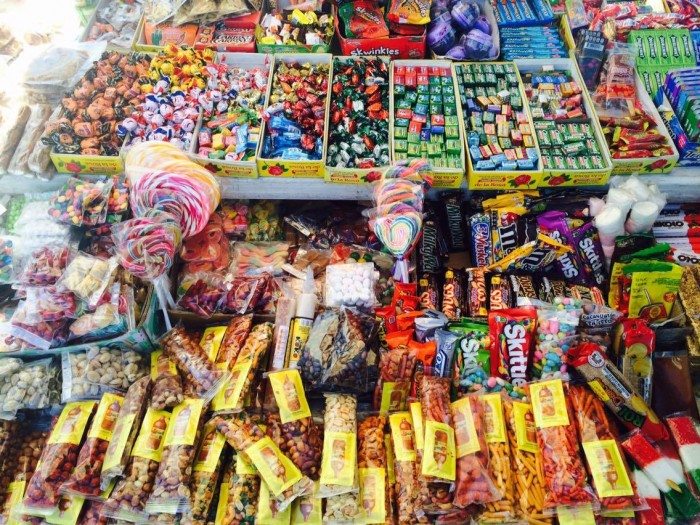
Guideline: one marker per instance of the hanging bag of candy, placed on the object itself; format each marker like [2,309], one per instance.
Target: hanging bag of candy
[397,219]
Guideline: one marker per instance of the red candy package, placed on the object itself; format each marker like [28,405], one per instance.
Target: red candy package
[363,19]
[511,333]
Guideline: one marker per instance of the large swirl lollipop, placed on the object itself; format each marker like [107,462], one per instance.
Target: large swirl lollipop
[398,217]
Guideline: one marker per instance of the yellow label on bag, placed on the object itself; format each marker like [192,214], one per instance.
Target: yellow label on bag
[466,440]
[308,510]
[119,438]
[275,469]
[67,511]
[439,455]
[182,429]
[228,398]
[71,423]
[244,468]
[580,515]
[151,439]
[549,403]
[339,458]
[16,495]
[607,468]
[223,503]
[211,340]
[161,365]
[599,390]
[393,396]
[105,419]
[210,451]
[494,422]
[402,436]
[389,447]
[525,432]
[372,495]
[417,419]
[289,394]
[268,509]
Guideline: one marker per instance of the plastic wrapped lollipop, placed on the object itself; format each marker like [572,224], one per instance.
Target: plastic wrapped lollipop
[398,218]
[146,247]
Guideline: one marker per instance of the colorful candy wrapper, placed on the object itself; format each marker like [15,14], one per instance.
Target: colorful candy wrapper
[511,332]
[526,461]
[472,360]
[684,432]
[608,383]
[415,13]
[556,324]
[554,224]
[590,253]
[473,483]
[532,256]
[654,515]
[611,475]
[445,341]
[564,472]
[662,473]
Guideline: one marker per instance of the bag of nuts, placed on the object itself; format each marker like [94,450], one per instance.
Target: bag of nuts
[395,375]
[205,474]
[27,387]
[294,429]
[268,513]
[167,384]
[234,395]
[114,369]
[339,478]
[194,364]
[58,457]
[238,494]
[128,499]
[85,479]
[283,478]
[308,509]
[375,496]
[473,485]
[405,468]
[236,333]
[126,429]
[171,491]
[76,386]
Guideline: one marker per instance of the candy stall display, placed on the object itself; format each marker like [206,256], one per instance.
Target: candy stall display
[291,30]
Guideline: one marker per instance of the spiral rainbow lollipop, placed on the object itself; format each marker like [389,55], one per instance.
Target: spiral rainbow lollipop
[398,218]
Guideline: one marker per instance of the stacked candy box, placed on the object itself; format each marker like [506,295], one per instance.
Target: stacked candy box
[227,137]
[425,120]
[500,137]
[572,145]
[358,137]
[553,40]
[679,113]
[296,119]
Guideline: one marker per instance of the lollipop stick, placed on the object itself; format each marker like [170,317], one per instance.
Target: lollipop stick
[162,295]
[401,271]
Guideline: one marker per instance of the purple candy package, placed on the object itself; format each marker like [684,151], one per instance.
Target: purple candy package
[554,224]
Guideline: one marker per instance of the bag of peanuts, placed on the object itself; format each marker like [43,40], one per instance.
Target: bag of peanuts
[375,491]
[612,481]
[283,478]
[308,510]
[268,513]
[395,375]
[526,462]
[564,472]
[125,431]
[205,474]
[58,457]
[500,472]
[167,384]
[211,341]
[28,385]
[339,459]
[474,484]
[238,494]
[194,364]
[407,487]
[75,385]
[128,499]
[171,489]
[85,479]
[114,369]
[236,333]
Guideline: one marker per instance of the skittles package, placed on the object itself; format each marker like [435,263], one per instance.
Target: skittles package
[511,332]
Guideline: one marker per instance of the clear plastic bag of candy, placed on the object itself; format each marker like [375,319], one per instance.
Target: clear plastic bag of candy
[128,498]
[236,333]
[81,202]
[194,364]
[203,293]
[243,293]
[29,386]
[58,457]
[171,488]
[167,383]
[339,459]
[27,321]
[351,285]
[115,369]
[283,478]
[107,320]
[76,386]
[249,256]
[88,277]
[85,479]
[556,323]
[125,431]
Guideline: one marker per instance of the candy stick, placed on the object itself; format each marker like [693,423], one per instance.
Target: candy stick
[642,217]
[610,223]
[659,469]
[654,515]
[686,437]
